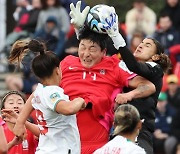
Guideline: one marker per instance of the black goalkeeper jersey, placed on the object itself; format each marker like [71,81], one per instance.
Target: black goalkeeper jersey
[146,106]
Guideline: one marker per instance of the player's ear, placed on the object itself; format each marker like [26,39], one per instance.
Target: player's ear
[105,50]
[57,70]
[155,57]
[139,125]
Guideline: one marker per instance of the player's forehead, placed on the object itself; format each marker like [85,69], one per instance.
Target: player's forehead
[88,43]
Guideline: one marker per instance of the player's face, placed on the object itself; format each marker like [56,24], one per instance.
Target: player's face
[90,53]
[14,102]
[51,2]
[145,50]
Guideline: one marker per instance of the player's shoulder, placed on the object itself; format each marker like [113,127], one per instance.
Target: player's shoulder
[124,67]
[135,148]
[47,89]
[69,61]
[155,67]
[70,58]
[111,60]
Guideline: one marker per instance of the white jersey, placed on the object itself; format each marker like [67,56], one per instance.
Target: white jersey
[59,133]
[120,145]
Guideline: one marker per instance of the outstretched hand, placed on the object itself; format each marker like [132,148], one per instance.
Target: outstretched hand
[77,17]
[111,25]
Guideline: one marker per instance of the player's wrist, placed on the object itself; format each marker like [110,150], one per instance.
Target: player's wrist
[118,41]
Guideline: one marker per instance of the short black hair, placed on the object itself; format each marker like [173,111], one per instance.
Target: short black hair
[100,39]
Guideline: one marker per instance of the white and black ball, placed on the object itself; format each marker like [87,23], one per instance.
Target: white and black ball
[96,15]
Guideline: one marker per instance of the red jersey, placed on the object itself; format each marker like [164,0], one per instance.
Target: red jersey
[95,85]
[28,146]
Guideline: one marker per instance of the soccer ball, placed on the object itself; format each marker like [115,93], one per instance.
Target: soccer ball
[96,15]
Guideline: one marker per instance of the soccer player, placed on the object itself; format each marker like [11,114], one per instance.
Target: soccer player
[93,76]
[55,113]
[127,125]
[148,61]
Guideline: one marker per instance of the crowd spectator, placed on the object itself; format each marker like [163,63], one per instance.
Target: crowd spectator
[140,19]
[162,133]
[174,54]
[54,8]
[22,6]
[21,17]
[173,91]
[26,23]
[30,26]
[136,39]
[166,34]
[172,7]
[49,33]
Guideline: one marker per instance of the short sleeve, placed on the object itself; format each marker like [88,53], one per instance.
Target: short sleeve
[54,95]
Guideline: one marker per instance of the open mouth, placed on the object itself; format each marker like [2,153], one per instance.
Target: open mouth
[138,51]
[87,60]
[17,111]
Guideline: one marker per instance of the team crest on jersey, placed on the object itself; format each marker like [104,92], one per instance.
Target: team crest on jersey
[124,67]
[36,99]
[54,97]
[102,71]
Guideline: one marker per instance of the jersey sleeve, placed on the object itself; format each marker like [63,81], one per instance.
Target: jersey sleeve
[146,70]
[124,74]
[54,96]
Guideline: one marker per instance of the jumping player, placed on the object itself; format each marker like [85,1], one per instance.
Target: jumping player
[148,61]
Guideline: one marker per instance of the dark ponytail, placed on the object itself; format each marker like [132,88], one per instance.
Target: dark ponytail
[164,62]
[37,46]
[44,62]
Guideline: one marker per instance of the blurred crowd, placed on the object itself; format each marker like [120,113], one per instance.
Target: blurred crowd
[49,20]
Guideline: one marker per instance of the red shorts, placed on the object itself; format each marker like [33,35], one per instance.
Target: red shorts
[92,134]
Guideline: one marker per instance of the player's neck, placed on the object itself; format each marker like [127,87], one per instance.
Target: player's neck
[49,82]
[130,137]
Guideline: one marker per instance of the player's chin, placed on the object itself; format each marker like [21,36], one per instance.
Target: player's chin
[88,64]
